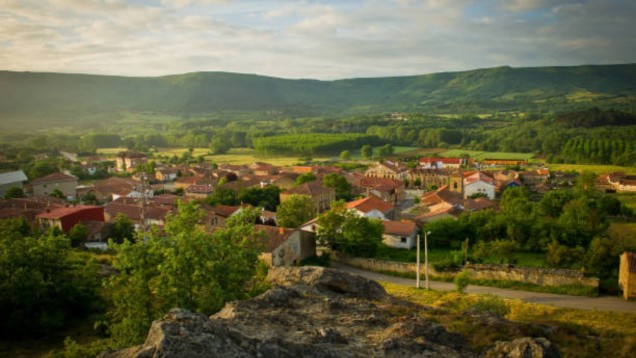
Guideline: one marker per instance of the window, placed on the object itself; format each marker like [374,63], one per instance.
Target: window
[403,240]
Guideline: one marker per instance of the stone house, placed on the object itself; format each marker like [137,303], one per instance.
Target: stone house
[46,185]
[127,161]
[479,182]
[320,195]
[627,275]
[440,163]
[287,247]
[388,169]
[11,180]
[400,234]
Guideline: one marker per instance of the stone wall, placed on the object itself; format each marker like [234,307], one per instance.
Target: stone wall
[537,276]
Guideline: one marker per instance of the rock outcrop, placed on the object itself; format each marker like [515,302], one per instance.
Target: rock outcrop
[311,312]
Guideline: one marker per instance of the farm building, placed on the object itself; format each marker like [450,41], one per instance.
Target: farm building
[627,275]
[66,218]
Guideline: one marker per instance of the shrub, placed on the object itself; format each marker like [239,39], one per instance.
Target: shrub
[461,281]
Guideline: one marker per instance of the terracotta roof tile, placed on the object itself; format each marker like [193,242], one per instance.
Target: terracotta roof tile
[54,178]
[399,228]
[369,203]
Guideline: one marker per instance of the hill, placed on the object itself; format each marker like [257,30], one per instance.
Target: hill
[66,98]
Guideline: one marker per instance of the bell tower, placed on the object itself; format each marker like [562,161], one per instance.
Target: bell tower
[456,184]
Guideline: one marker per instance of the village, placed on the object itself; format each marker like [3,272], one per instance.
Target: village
[404,197]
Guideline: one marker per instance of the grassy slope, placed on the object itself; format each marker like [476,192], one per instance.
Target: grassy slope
[576,333]
[50,98]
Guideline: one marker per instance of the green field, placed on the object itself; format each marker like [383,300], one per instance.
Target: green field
[629,199]
[596,168]
[481,155]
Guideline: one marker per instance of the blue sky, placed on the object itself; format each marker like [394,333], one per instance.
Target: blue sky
[311,39]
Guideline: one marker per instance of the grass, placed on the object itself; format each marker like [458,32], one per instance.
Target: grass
[481,155]
[437,255]
[596,168]
[577,333]
[629,199]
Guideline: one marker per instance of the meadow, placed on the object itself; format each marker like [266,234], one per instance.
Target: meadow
[596,168]
[481,155]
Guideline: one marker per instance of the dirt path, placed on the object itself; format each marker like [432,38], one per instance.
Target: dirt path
[603,303]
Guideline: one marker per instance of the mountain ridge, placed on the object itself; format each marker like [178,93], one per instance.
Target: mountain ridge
[60,95]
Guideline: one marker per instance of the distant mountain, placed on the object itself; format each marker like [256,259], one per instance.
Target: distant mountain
[57,96]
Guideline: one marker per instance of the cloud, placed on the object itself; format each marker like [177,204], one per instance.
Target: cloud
[310,39]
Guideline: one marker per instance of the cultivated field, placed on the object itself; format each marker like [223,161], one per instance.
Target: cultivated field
[596,168]
[481,155]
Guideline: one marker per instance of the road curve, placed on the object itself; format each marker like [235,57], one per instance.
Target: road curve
[603,303]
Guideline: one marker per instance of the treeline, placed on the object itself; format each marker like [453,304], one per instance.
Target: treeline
[312,144]
[595,117]
[599,151]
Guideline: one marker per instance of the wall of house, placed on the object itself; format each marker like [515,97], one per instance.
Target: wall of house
[543,277]
[296,248]
[68,188]
[626,281]
[479,187]
[5,187]
[396,241]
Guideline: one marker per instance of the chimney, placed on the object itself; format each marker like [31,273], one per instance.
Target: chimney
[281,230]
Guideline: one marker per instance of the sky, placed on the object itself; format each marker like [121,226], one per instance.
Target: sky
[329,39]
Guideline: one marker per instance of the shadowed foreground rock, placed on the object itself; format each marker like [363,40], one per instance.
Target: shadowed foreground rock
[311,312]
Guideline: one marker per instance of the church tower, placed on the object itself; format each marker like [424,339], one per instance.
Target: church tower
[457,183]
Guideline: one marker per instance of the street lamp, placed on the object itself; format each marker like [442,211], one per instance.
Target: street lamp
[417,271]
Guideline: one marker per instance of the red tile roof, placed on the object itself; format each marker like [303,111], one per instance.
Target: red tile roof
[59,213]
[369,203]
[54,178]
[443,194]
[399,228]
[443,160]
[312,188]
[275,235]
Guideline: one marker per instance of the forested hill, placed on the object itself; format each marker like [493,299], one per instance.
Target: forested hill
[57,96]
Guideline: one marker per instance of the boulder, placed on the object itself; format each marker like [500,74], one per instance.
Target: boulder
[526,347]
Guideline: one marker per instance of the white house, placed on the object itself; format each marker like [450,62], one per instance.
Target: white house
[478,182]
[372,207]
[400,234]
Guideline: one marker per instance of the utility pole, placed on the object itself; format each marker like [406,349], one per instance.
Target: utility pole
[417,269]
[426,257]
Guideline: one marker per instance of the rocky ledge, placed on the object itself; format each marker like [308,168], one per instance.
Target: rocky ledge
[316,312]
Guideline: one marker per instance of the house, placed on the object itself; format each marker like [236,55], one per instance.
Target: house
[320,195]
[46,185]
[441,199]
[263,169]
[28,208]
[218,214]
[400,234]
[10,180]
[65,218]
[627,275]
[132,209]
[533,177]
[452,212]
[112,188]
[622,182]
[372,207]
[284,181]
[287,247]
[166,174]
[429,177]
[504,162]
[127,161]
[479,183]
[387,189]
[198,191]
[388,169]
[441,163]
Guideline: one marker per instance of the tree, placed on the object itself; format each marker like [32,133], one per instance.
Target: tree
[345,155]
[57,193]
[295,211]
[78,234]
[267,198]
[366,151]
[123,228]
[340,184]
[90,198]
[305,178]
[187,267]
[43,285]
[342,230]
[223,196]
[14,192]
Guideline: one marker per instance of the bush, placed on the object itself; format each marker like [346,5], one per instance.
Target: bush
[323,260]
[490,304]
[461,281]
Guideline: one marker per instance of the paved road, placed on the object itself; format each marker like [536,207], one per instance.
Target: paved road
[603,303]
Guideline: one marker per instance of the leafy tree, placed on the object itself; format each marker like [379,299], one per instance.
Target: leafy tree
[342,230]
[295,211]
[186,267]
[552,202]
[559,255]
[223,196]
[340,184]
[78,234]
[305,178]
[268,197]
[123,228]
[57,193]
[90,198]
[580,222]
[14,192]
[220,145]
[345,155]
[43,285]
[366,151]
